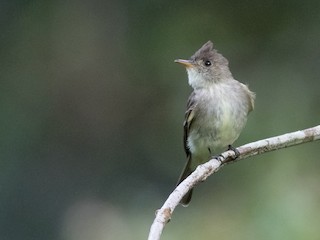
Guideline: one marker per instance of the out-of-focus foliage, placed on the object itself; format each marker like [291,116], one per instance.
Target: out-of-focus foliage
[91,111]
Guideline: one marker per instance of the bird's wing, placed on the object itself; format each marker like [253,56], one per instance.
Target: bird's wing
[188,119]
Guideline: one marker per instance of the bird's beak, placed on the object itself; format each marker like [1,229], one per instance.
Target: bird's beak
[186,63]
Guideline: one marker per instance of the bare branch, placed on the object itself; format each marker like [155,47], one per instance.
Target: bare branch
[164,214]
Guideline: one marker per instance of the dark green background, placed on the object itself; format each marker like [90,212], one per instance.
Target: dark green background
[91,111]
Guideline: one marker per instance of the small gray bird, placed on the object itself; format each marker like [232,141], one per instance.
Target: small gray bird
[217,109]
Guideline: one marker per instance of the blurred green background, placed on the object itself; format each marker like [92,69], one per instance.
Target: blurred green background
[92,107]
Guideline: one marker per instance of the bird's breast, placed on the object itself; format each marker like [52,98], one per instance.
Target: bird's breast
[220,117]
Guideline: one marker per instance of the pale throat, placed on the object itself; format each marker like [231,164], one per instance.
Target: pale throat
[197,80]
[194,78]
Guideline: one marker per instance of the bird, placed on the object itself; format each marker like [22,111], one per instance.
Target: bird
[217,109]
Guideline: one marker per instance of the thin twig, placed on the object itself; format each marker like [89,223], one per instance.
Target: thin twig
[164,214]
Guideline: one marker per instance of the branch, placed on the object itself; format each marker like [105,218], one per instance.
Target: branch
[163,215]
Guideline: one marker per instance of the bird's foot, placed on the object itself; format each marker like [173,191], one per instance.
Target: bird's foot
[219,157]
[236,152]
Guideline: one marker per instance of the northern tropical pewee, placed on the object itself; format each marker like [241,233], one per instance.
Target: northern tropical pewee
[217,109]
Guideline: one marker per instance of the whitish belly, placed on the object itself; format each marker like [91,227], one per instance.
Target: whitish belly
[212,135]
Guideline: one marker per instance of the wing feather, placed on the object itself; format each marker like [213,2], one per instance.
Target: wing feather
[188,120]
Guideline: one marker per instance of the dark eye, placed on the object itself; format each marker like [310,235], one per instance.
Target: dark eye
[207,63]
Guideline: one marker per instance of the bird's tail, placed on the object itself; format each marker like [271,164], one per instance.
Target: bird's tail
[185,173]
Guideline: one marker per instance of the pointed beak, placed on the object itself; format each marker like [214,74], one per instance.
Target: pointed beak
[186,63]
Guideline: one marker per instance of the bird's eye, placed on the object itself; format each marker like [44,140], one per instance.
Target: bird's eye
[207,63]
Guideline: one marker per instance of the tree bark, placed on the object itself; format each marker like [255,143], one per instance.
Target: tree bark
[163,215]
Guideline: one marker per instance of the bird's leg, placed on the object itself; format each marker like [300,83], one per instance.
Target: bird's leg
[209,151]
[236,152]
[218,157]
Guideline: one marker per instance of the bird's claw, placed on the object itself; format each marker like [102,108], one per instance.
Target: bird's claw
[236,152]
